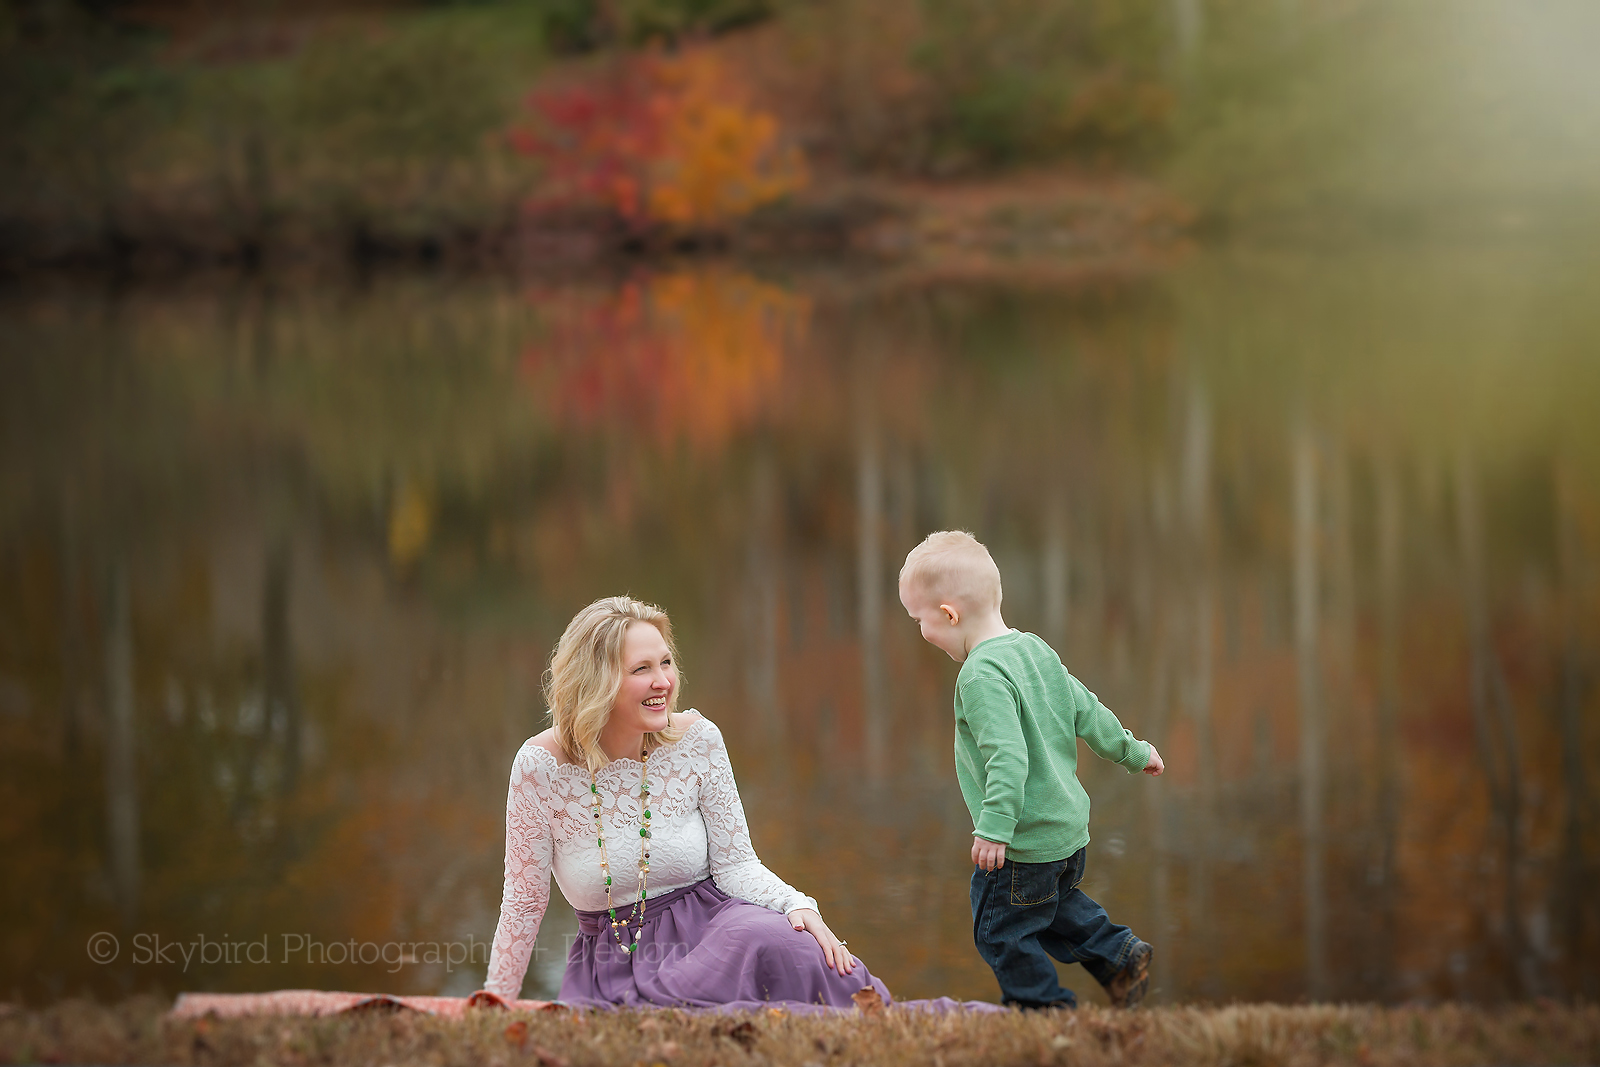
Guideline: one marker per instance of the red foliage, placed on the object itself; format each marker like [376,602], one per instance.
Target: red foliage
[659,139]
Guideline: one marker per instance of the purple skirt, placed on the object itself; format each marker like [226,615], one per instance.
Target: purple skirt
[701,948]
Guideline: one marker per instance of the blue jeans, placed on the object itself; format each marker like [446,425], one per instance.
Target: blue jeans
[1024,913]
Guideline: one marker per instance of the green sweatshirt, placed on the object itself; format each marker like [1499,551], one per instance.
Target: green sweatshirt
[1019,715]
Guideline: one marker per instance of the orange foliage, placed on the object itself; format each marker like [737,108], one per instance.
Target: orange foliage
[662,140]
[691,354]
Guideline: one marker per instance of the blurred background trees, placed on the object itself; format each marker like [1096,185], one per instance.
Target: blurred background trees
[387,126]
[221,135]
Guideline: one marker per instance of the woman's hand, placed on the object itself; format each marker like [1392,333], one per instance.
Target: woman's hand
[838,957]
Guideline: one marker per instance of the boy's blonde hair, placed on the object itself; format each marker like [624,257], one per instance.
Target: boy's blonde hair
[954,567]
[586,673]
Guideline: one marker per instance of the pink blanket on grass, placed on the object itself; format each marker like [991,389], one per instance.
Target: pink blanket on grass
[319,1002]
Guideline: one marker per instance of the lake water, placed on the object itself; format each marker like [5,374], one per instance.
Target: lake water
[280,568]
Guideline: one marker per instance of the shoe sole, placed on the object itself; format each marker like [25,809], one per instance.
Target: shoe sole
[1138,979]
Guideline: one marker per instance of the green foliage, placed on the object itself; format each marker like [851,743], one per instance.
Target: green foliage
[398,130]
[1278,102]
[581,25]
[403,95]
[960,86]
[386,127]
[72,121]
[1380,114]
[1002,68]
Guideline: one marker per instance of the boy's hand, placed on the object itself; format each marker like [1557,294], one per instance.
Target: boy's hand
[1155,766]
[987,854]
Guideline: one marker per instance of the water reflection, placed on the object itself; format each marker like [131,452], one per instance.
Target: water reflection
[687,354]
[281,569]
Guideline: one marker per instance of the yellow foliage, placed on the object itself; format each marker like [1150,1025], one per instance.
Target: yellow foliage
[410,524]
[722,156]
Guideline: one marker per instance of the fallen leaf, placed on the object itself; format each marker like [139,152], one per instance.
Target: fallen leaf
[548,1058]
[868,1001]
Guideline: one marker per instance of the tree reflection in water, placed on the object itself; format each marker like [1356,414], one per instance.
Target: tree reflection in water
[281,569]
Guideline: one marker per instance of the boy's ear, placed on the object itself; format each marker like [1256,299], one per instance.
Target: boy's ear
[952,613]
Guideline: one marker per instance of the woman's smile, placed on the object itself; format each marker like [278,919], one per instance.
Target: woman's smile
[645,693]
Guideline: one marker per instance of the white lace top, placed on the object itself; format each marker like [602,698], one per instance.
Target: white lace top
[697,829]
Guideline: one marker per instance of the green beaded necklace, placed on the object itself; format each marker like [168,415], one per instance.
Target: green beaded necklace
[644,855]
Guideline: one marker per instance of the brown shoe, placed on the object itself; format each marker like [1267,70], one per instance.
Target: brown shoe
[1129,985]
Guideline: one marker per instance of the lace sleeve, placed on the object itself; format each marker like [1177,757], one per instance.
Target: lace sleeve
[526,893]
[734,865]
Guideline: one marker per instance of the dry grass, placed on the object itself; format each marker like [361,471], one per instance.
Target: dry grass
[137,1032]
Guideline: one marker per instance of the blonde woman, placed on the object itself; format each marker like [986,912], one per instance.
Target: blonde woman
[632,804]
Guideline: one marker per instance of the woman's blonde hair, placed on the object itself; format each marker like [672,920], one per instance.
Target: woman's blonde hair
[585,675]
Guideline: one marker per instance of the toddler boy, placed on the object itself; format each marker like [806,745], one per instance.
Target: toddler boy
[1019,715]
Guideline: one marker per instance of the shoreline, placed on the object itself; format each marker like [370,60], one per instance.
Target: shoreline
[1047,217]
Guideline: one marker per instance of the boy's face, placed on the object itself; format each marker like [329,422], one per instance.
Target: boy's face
[940,623]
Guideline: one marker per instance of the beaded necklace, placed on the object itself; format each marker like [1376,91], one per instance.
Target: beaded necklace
[644,855]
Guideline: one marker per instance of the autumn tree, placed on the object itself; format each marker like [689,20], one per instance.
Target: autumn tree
[664,141]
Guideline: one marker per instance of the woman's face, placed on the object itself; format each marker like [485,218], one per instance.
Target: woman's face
[648,678]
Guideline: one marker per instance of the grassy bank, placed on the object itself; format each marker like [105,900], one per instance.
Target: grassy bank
[1236,1036]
